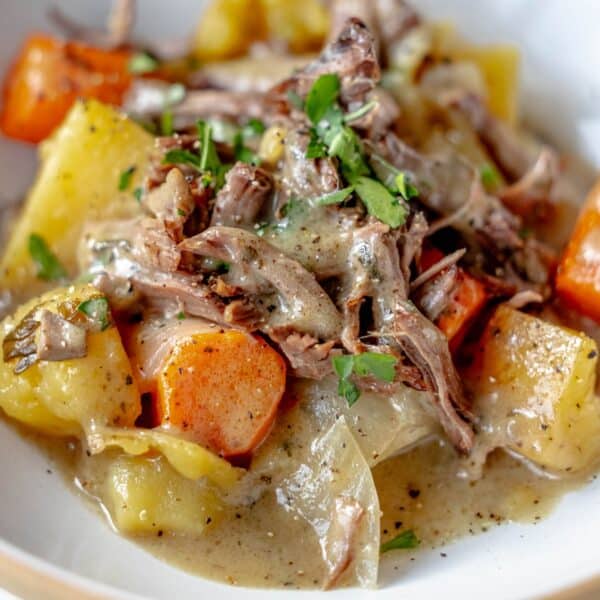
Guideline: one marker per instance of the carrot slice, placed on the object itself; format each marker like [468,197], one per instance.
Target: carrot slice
[49,75]
[224,388]
[578,275]
[468,299]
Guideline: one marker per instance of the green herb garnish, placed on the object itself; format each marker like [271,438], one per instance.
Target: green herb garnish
[180,315]
[253,128]
[174,94]
[141,63]
[125,178]
[242,152]
[98,310]
[404,187]
[178,156]
[48,266]
[489,176]
[209,159]
[380,202]
[380,366]
[322,97]
[335,197]
[360,112]
[137,194]
[166,123]
[404,541]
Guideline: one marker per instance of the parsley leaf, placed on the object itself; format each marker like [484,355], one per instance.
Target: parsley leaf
[322,96]
[316,148]
[174,94]
[209,159]
[404,541]
[381,366]
[125,178]
[380,203]
[166,123]
[405,188]
[361,111]
[137,194]
[141,63]
[253,128]
[98,310]
[489,176]
[334,197]
[183,157]
[180,315]
[242,152]
[48,266]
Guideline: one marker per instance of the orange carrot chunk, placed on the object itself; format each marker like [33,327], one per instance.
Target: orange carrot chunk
[223,388]
[49,75]
[578,275]
[468,299]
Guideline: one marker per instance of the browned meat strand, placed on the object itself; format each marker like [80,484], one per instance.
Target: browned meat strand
[302,177]
[246,189]
[400,327]
[352,56]
[301,303]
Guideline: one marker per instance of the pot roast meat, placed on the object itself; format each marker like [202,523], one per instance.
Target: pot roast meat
[302,304]
[399,326]
[239,202]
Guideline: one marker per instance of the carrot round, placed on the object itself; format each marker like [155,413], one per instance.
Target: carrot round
[223,388]
[49,75]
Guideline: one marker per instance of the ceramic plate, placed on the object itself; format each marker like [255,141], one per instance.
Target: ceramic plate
[53,546]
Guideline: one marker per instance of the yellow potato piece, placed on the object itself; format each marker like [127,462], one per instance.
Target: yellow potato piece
[70,396]
[189,459]
[499,65]
[78,181]
[535,391]
[147,496]
[301,24]
[227,28]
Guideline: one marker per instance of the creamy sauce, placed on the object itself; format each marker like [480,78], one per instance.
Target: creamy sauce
[262,545]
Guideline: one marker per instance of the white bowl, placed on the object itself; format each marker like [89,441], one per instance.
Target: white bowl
[53,546]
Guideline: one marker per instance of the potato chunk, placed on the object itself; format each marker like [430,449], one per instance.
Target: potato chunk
[78,181]
[534,391]
[146,495]
[67,396]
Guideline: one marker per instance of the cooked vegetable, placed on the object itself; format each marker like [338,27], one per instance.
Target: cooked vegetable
[189,459]
[78,182]
[229,407]
[534,391]
[468,298]
[147,496]
[69,396]
[227,28]
[47,78]
[578,276]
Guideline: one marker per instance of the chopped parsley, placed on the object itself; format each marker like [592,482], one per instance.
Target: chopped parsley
[322,97]
[125,178]
[97,309]
[180,315]
[380,366]
[405,188]
[295,100]
[141,63]
[178,156]
[360,112]
[403,541]
[166,123]
[48,266]
[252,129]
[137,194]
[335,197]
[380,202]
[489,176]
